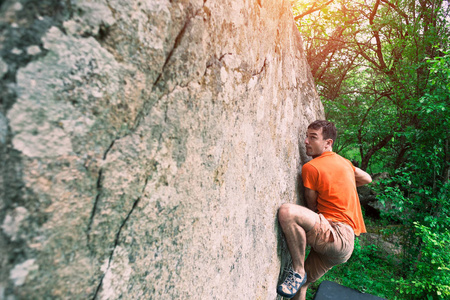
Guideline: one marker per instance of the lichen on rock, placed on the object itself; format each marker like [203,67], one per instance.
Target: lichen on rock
[149,145]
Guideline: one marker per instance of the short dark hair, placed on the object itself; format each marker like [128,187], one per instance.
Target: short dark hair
[328,129]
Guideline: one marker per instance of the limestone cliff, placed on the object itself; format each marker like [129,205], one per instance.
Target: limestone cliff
[146,146]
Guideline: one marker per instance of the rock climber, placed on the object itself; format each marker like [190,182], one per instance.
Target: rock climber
[332,217]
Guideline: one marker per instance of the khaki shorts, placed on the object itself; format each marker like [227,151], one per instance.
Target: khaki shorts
[331,244]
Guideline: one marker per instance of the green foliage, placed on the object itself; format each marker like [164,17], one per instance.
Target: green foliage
[417,193]
[383,72]
[367,271]
[431,276]
[371,65]
[426,239]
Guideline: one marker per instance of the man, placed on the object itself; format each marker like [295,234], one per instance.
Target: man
[333,216]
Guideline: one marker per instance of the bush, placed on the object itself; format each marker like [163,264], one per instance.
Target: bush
[367,271]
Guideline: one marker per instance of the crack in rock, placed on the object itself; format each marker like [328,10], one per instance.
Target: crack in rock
[175,46]
[116,240]
[97,198]
[177,43]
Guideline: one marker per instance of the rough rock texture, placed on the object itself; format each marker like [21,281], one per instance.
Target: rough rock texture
[146,146]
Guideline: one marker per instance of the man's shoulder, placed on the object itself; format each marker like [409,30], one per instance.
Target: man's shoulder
[324,157]
[344,160]
[309,165]
[313,166]
[324,161]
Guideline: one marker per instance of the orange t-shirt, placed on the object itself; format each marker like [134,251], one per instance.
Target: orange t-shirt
[333,177]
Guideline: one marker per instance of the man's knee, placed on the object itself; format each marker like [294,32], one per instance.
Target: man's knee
[285,213]
[301,215]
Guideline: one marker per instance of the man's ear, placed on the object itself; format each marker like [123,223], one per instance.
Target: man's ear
[329,143]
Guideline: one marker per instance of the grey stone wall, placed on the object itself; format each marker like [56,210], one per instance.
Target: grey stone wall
[146,146]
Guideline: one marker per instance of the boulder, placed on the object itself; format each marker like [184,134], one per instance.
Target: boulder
[147,145]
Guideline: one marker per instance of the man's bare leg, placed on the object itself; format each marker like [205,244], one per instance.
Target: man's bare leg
[295,221]
[301,294]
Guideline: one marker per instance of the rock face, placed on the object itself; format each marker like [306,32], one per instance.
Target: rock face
[146,146]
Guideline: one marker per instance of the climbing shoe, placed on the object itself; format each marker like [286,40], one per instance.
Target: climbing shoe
[291,284]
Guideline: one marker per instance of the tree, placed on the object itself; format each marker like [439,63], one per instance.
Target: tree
[382,68]
[369,62]
[420,190]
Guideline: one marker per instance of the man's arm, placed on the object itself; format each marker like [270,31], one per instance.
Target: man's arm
[311,199]
[362,177]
